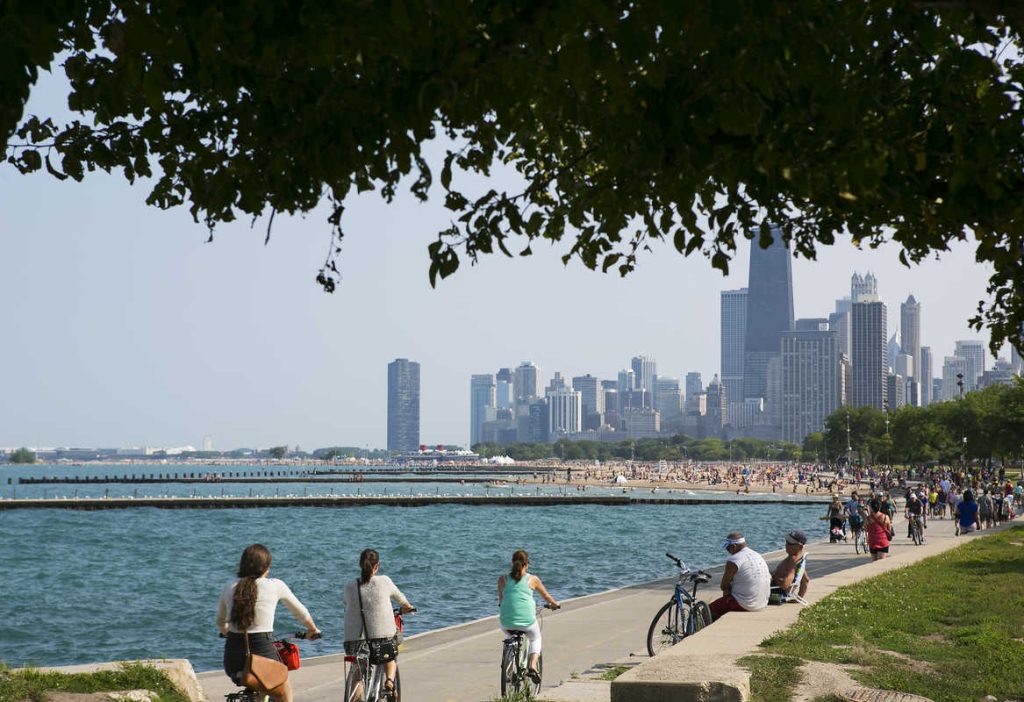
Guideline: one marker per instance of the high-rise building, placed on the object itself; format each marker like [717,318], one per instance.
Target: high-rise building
[769,311]
[694,385]
[925,376]
[1002,373]
[773,400]
[734,332]
[557,381]
[645,370]
[538,422]
[973,352]
[869,326]
[403,406]
[864,289]
[952,385]
[812,368]
[904,368]
[668,400]
[839,322]
[896,391]
[627,380]
[892,350]
[717,407]
[592,399]
[642,423]
[565,409]
[910,332]
[481,399]
[503,388]
[525,383]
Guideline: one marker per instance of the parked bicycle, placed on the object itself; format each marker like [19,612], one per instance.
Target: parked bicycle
[248,694]
[681,616]
[364,680]
[515,652]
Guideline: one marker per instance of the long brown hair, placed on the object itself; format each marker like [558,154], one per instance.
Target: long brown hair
[520,559]
[367,560]
[255,562]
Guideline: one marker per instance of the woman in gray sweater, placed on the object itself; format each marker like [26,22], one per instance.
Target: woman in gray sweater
[377,593]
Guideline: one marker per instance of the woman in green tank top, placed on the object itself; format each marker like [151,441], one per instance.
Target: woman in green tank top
[517,608]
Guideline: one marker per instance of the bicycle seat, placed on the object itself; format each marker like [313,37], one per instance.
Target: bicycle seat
[701,577]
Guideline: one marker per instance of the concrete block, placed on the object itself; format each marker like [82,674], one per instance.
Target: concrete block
[693,678]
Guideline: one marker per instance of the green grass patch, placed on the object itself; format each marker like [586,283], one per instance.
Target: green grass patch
[772,678]
[33,685]
[954,622]
[613,673]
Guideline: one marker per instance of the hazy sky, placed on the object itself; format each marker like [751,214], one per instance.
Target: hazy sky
[121,327]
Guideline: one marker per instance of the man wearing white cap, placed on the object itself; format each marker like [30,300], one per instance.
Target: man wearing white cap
[746,582]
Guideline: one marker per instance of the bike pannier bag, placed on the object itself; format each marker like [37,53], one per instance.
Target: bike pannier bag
[288,653]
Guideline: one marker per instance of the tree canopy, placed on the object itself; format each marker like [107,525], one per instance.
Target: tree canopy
[23,455]
[627,121]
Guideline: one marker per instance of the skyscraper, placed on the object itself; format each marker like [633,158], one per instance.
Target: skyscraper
[694,385]
[892,350]
[973,352]
[951,367]
[668,399]
[734,331]
[717,404]
[525,383]
[403,406]
[592,399]
[910,333]
[481,398]
[644,372]
[769,312]
[503,388]
[839,322]
[925,376]
[565,407]
[811,380]
[864,289]
[627,380]
[870,372]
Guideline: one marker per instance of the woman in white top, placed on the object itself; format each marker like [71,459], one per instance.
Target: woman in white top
[377,593]
[247,604]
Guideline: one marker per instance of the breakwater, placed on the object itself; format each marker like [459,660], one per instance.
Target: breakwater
[522,499]
[193,478]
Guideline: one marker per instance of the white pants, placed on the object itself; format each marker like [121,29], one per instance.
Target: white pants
[532,635]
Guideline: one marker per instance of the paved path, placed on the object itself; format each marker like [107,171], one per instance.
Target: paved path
[460,664]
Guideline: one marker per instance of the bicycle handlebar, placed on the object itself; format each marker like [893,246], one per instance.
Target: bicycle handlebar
[306,635]
[677,561]
[552,607]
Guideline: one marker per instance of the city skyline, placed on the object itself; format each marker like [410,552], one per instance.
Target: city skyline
[130,330]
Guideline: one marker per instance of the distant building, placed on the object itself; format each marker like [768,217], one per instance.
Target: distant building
[627,380]
[717,407]
[925,376]
[839,322]
[864,289]
[974,353]
[403,406]
[642,423]
[565,409]
[526,383]
[503,394]
[910,335]
[592,398]
[645,370]
[951,384]
[892,350]
[905,369]
[481,399]
[769,311]
[812,376]
[870,369]
[734,331]
[538,421]
[694,385]
[207,444]
[557,381]
[1002,373]
[668,400]
[635,399]
[896,392]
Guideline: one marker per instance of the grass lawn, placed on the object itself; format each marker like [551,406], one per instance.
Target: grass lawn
[29,684]
[950,628]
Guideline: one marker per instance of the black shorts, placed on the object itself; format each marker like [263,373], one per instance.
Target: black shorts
[884,549]
[234,651]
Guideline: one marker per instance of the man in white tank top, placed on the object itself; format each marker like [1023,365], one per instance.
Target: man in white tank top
[746,583]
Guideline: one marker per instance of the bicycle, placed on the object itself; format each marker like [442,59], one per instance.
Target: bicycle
[358,669]
[515,663]
[916,530]
[248,694]
[860,541]
[683,615]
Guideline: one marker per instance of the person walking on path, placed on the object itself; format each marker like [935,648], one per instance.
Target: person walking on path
[746,583]
[879,528]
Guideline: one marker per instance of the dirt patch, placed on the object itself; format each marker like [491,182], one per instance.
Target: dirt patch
[934,638]
[911,663]
[121,696]
[822,680]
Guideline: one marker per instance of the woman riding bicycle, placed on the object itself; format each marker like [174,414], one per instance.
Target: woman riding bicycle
[517,607]
[247,606]
[368,600]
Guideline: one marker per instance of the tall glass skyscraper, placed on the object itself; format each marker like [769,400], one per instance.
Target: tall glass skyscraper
[645,370]
[481,398]
[734,332]
[870,367]
[769,312]
[403,406]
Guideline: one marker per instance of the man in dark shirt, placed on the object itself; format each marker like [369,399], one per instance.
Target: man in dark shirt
[915,510]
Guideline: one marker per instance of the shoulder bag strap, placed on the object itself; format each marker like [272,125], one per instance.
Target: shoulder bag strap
[362,615]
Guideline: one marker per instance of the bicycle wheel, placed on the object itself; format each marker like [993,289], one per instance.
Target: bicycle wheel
[856,541]
[665,630]
[509,674]
[700,617]
[353,684]
[533,688]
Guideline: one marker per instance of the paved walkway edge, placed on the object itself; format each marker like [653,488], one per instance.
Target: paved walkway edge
[703,668]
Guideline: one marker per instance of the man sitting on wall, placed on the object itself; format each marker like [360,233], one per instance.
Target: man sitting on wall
[746,582]
[790,579]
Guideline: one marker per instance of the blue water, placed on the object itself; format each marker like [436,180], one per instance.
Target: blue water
[142,583]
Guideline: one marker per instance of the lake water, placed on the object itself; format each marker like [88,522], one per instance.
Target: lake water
[141,583]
